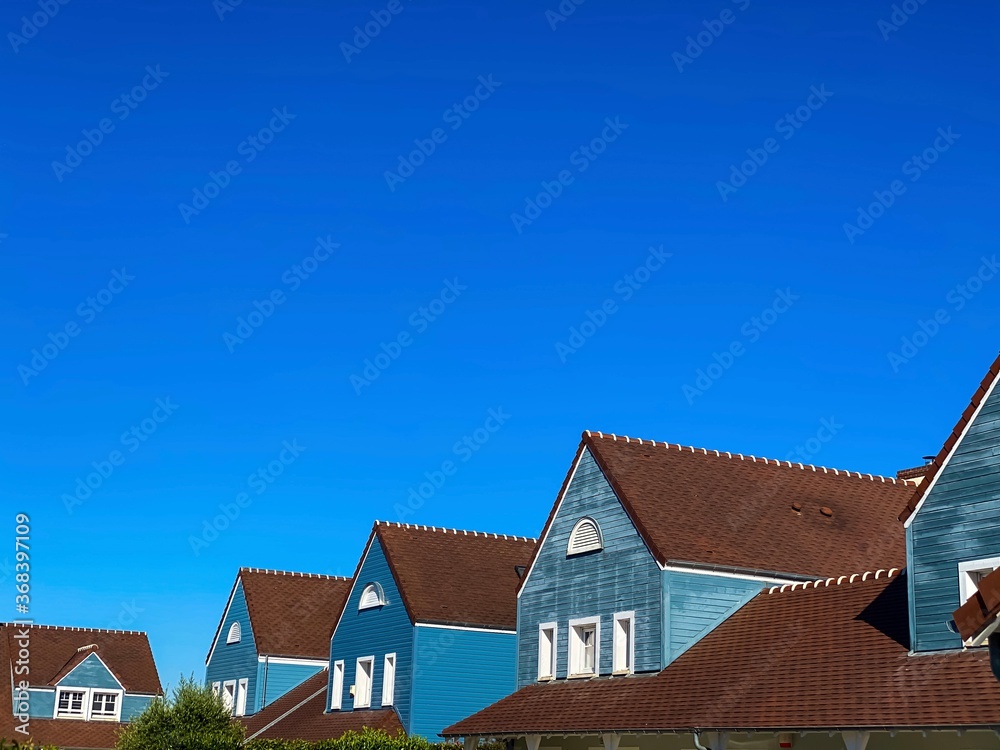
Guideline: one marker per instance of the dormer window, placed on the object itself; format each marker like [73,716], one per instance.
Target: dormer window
[970,573]
[371,597]
[585,537]
[234,634]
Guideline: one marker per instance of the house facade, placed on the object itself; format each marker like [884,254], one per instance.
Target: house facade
[73,687]
[274,634]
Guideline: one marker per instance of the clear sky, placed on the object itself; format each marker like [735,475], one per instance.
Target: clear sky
[273,266]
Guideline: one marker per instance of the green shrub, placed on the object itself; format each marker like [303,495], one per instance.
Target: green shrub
[14,745]
[366,739]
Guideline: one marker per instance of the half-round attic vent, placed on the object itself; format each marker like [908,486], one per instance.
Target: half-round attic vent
[585,537]
[234,633]
[371,597]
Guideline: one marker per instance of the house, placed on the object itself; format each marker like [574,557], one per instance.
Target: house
[273,635]
[428,635]
[72,687]
[834,630]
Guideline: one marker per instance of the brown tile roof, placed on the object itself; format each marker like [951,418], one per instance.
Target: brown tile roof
[454,577]
[810,658]
[981,610]
[292,614]
[53,649]
[917,472]
[730,511]
[299,715]
[953,438]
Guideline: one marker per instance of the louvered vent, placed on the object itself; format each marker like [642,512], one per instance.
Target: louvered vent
[585,537]
[234,633]
[371,597]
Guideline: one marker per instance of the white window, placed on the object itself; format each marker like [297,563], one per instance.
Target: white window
[371,596]
[71,703]
[363,682]
[104,706]
[585,537]
[389,680]
[216,688]
[337,688]
[623,661]
[234,633]
[970,574]
[584,646]
[547,651]
[241,697]
[229,694]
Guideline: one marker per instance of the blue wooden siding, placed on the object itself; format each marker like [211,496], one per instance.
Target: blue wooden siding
[133,705]
[91,672]
[696,603]
[456,673]
[274,680]
[957,522]
[621,577]
[375,632]
[42,703]
[236,661]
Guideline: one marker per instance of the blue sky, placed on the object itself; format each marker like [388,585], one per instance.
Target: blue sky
[216,232]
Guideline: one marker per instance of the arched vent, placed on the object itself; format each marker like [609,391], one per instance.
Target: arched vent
[234,633]
[585,537]
[372,596]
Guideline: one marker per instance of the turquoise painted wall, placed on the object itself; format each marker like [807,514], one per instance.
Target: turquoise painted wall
[376,632]
[959,521]
[91,672]
[236,661]
[456,673]
[621,577]
[274,680]
[696,603]
[133,705]
[42,703]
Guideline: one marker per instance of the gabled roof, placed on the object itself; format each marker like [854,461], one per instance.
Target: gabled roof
[829,656]
[454,577]
[291,614]
[300,715]
[964,422]
[712,509]
[82,654]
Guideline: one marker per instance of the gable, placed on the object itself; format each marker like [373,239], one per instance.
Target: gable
[91,672]
[236,612]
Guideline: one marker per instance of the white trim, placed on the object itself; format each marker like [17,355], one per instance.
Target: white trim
[241,696]
[294,661]
[630,656]
[119,698]
[554,655]
[232,594]
[388,685]
[226,703]
[725,574]
[593,547]
[337,691]
[287,713]
[966,588]
[84,710]
[463,627]
[88,703]
[235,634]
[580,622]
[371,681]
[951,453]
[217,688]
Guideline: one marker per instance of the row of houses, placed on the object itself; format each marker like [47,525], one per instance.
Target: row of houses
[677,597]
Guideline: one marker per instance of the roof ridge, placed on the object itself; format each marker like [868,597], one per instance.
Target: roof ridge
[69,628]
[755,459]
[456,532]
[827,582]
[293,573]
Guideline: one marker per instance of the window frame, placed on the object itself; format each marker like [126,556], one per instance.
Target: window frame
[242,687]
[115,715]
[553,652]
[389,684]
[571,552]
[966,586]
[337,690]
[87,706]
[371,681]
[234,630]
[379,595]
[84,703]
[573,651]
[629,667]
[230,705]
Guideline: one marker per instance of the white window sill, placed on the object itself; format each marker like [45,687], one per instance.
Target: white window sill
[622,673]
[583,676]
[547,678]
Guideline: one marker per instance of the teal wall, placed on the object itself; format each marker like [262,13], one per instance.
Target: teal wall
[91,672]
[621,577]
[456,673]
[236,661]
[959,521]
[133,705]
[274,680]
[375,632]
[42,703]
